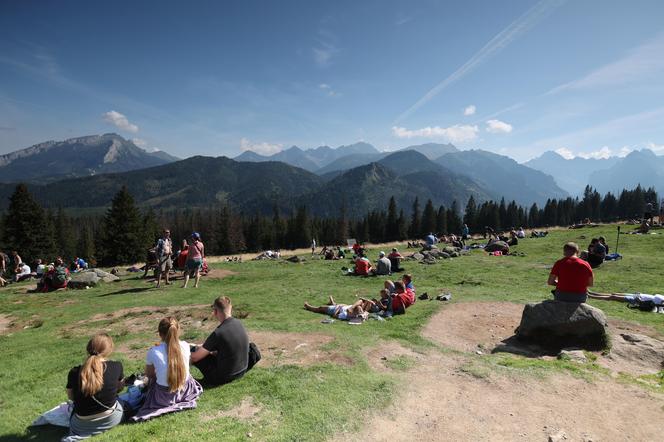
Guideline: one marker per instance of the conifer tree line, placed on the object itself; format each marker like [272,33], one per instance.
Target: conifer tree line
[125,232]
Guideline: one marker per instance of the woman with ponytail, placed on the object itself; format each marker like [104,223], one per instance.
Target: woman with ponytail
[93,387]
[167,366]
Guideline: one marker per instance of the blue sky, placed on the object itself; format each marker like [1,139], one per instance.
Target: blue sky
[515,77]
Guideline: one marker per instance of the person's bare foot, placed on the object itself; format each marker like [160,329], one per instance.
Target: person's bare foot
[307,306]
[330,301]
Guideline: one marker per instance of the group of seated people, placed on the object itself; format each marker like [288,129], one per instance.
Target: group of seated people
[596,253]
[51,277]
[395,298]
[385,264]
[93,387]
[329,254]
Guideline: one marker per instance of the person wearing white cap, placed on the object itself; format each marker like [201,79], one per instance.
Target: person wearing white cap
[383,265]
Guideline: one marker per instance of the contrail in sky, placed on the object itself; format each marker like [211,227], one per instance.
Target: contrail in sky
[518,27]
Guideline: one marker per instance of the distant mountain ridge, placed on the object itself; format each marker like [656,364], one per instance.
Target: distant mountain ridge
[77,157]
[604,174]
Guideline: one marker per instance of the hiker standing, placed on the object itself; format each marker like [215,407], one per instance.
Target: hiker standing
[313,247]
[195,258]
[164,251]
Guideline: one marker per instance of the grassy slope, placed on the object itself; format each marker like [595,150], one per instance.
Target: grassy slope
[299,403]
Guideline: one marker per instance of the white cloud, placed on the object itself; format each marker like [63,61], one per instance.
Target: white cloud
[325,49]
[503,39]
[455,134]
[602,153]
[327,89]
[565,153]
[470,110]
[498,127]
[140,142]
[657,148]
[260,148]
[120,121]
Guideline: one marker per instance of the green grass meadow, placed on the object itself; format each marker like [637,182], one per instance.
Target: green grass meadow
[296,402]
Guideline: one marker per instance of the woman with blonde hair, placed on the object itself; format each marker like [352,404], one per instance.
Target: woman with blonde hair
[171,387]
[93,387]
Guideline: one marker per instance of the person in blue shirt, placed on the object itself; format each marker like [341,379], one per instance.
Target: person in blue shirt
[431,240]
[79,264]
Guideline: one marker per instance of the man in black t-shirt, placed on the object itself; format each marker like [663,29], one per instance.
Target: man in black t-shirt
[224,356]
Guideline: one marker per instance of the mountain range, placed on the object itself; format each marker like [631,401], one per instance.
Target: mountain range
[86,172]
[604,174]
[77,157]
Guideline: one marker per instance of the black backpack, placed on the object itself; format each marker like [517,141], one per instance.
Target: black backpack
[254,355]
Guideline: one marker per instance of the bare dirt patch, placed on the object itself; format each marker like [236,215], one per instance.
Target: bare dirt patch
[220,273]
[473,326]
[467,326]
[247,409]
[141,319]
[6,323]
[297,349]
[442,401]
[379,358]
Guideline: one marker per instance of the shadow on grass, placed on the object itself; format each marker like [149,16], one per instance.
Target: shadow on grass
[127,291]
[40,433]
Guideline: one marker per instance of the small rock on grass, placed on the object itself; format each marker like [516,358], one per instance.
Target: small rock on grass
[574,355]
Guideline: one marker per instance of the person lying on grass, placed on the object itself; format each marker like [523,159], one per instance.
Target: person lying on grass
[94,387]
[343,312]
[171,387]
[225,355]
[632,298]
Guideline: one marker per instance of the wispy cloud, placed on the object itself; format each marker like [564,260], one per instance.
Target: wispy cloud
[642,63]
[455,134]
[498,127]
[503,39]
[140,142]
[329,91]
[120,121]
[470,110]
[260,148]
[325,48]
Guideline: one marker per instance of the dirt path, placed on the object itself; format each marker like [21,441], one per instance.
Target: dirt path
[454,396]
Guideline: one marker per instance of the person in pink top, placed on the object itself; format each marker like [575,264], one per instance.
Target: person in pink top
[194,260]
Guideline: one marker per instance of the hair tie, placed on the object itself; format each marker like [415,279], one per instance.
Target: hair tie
[94,353]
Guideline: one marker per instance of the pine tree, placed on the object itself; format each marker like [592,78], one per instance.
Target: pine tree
[392,227]
[441,220]
[428,219]
[453,220]
[415,229]
[470,216]
[123,233]
[65,237]
[26,228]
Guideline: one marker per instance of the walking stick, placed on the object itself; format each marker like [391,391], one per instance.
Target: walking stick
[617,239]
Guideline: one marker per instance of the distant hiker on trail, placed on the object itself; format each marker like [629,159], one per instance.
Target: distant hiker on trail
[313,247]
[164,251]
[343,312]
[465,232]
[571,276]
[226,355]
[195,258]
[648,214]
[171,387]
[93,387]
[383,265]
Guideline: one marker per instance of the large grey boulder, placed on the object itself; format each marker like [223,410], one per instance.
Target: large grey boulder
[450,249]
[83,279]
[555,324]
[497,246]
[104,276]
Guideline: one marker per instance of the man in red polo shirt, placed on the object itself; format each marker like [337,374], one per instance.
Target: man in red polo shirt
[571,276]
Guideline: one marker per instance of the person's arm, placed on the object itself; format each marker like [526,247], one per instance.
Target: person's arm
[200,353]
[590,280]
[553,279]
[150,372]
[70,394]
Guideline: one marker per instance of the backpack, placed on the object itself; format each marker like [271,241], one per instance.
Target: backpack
[60,275]
[643,305]
[254,355]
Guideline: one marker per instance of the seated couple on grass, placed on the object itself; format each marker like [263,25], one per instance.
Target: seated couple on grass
[94,386]
[395,298]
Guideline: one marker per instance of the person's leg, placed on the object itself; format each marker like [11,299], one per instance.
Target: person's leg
[208,368]
[187,274]
[197,277]
[330,301]
[322,309]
